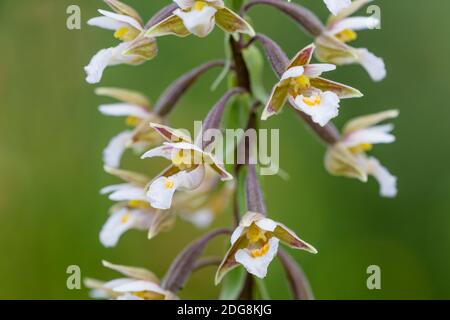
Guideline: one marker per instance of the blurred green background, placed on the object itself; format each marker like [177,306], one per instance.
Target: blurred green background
[51,138]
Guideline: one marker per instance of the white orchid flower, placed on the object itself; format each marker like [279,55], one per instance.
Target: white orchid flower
[133,211]
[348,156]
[187,170]
[128,28]
[341,29]
[137,110]
[138,284]
[254,244]
[199,18]
[122,220]
[307,91]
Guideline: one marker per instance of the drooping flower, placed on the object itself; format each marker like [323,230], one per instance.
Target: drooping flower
[132,210]
[128,27]
[138,284]
[336,6]
[341,29]
[187,170]
[199,18]
[137,110]
[254,244]
[307,91]
[348,156]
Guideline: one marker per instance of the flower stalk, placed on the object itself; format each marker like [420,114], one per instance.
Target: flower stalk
[196,184]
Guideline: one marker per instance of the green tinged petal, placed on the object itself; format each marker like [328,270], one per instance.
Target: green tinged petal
[233,23]
[369,120]
[341,162]
[277,100]
[341,90]
[303,57]
[172,25]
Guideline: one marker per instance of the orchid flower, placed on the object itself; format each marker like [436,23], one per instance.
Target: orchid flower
[254,244]
[348,156]
[187,170]
[341,29]
[307,91]
[136,108]
[128,28]
[138,284]
[133,210]
[199,18]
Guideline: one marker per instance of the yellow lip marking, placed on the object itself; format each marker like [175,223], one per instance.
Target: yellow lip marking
[254,234]
[121,33]
[138,204]
[199,5]
[347,35]
[363,147]
[183,159]
[260,252]
[302,82]
[132,121]
[168,184]
[124,219]
[312,101]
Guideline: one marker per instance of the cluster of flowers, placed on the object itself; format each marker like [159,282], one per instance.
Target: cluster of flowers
[153,204]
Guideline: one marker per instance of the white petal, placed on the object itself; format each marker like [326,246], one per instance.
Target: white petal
[355,23]
[388,182]
[165,151]
[160,192]
[258,265]
[335,6]
[115,149]
[123,109]
[266,224]
[114,187]
[122,221]
[201,219]
[198,22]
[322,113]
[294,72]
[105,23]
[129,193]
[98,64]
[191,180]
[372,135]
[185,146]
[374,65]
[315,70]
[104,58]
[237,233]
[140,285]
[116,283]
[122,18]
